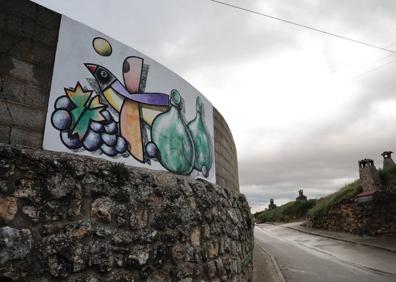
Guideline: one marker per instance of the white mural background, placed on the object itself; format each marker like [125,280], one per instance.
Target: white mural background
[75,49]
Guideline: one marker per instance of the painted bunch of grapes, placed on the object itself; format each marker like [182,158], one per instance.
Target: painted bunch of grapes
[85,123]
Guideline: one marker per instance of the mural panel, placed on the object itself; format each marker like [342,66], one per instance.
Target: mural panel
[110,101]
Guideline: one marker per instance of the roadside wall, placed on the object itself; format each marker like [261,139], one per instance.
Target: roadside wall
[226,154]
[29,36]
[72,218]
[370,218]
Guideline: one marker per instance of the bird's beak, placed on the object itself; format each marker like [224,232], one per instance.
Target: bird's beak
[91,67]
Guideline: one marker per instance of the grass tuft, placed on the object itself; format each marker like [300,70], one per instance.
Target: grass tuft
[324,204]
[388,178]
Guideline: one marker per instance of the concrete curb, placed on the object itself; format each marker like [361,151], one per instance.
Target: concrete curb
[339,239]
[278,271]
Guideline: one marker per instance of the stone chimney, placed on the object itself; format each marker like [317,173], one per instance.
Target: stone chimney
[388,162]
[301,196]
[369,176]
[271,204]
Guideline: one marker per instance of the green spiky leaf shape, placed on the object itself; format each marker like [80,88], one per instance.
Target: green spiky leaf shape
[86,109]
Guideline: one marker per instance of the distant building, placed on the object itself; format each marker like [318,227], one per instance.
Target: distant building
[388,162]
[371,182]
[271,204]
[369,176]
[301,196]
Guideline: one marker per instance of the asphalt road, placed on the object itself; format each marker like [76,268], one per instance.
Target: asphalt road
[304,257]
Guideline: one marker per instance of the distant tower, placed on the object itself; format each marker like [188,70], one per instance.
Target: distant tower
[301,196]
[271,204]
[388,162]
[369,176]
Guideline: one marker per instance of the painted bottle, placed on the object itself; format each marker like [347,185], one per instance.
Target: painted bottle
[172,143]
[202,145]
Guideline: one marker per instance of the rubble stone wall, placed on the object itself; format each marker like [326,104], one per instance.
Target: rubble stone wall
[29,37]
[371,218]
[70,218]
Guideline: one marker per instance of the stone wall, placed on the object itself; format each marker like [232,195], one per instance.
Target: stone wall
[70,218]
[29,35]
[371,218]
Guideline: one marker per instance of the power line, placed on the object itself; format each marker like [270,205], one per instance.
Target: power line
[303,26]
[372,62]
[373,69]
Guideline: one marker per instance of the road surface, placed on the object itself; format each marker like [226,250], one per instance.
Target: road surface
[304,257]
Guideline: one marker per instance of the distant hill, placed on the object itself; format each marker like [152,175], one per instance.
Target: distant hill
[291,211]
[299,210]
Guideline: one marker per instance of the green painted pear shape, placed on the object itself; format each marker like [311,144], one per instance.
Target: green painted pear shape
[202,145]
[169,132]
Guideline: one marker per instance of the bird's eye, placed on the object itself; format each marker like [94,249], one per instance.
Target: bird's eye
[103,74]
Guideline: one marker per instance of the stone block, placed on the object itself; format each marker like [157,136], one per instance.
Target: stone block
[22,50]
[213,249]
[4,133]
[6,115]
[23,117]
[21,69]
[8,208]
[43,55]
[159,276]
[14,243]
[60,186]
[20,7]
[47,35]
[42,76]
[47,17]
[31,212]
[14,24]
[7,42]
[25,137]
[139,219]
[3,18]
[13,89]
[20,26]
[211,269]
[36,96]
[196,237]
[101,209]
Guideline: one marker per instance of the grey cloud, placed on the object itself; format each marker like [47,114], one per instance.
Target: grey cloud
[201,38]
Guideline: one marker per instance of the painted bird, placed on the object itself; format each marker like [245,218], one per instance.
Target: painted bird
[133,107]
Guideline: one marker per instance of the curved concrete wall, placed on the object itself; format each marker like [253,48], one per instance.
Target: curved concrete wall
[29,35]
[226,154]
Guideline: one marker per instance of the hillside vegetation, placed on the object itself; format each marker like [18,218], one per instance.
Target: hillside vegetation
[388,179]
[291,211]
[298,210]
[324,204]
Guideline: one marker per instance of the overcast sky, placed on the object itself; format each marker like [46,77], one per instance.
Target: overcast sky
[303,107]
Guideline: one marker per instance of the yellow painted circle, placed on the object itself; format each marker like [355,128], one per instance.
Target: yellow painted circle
[102,46]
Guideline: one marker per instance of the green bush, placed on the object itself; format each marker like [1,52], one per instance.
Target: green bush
[324,204]
[388,178]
